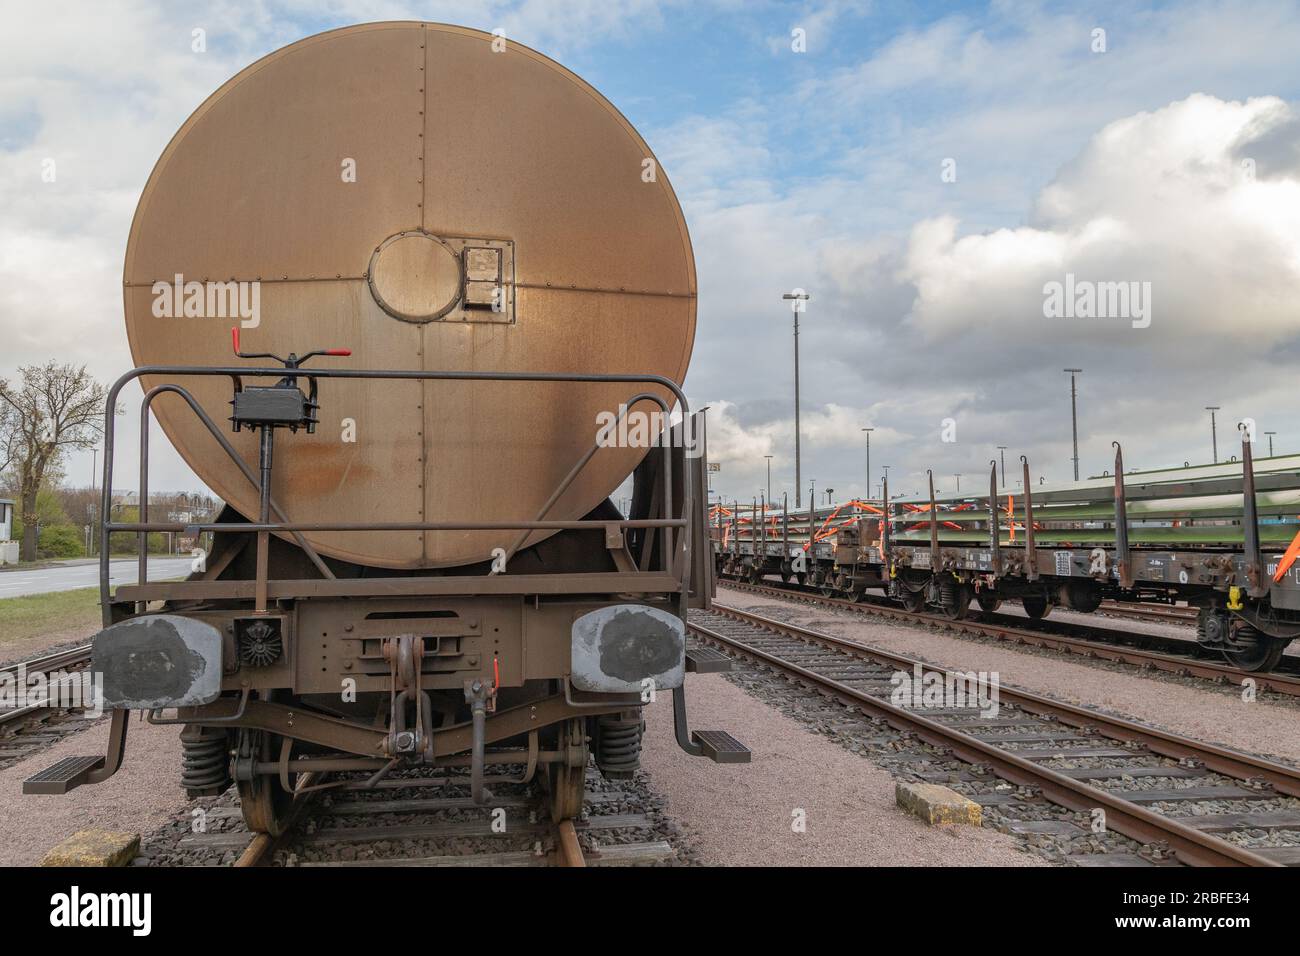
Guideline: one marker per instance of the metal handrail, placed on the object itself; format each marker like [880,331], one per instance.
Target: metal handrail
[108,527]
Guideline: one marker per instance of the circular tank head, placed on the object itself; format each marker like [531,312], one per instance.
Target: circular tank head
[433,198]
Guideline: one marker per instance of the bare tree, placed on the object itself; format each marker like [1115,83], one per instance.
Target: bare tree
[56,407]
[9,433]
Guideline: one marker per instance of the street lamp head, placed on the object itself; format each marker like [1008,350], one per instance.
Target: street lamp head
[1075,370]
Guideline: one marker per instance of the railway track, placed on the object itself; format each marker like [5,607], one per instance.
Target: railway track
[1177,657]
[31,728]
[1152,786]
[1172,614]
[425,821]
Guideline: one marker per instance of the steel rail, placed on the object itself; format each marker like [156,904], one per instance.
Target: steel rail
[263,845]
[1190,845]
[1175,664]
[73,655]
[43,665]
[570,850]
[1155,612]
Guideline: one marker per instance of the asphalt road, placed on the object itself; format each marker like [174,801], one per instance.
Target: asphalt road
[71,575]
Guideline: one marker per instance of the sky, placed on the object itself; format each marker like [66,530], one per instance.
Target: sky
[925,171]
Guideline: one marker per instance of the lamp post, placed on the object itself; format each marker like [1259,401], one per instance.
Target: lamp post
[867,432]
[769,476]
[1270,443]
[1002,454]
[797,299]
[1214,433]
[958,477]
[1074,419]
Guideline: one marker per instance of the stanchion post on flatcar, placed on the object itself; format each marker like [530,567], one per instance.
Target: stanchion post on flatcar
[934,527]
[1256,587]
[1122,556]
[995,528]
[884,523]
[1031,551]
[785,525]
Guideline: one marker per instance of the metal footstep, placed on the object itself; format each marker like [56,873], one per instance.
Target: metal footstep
[705,660]
[720,747]
[67,774]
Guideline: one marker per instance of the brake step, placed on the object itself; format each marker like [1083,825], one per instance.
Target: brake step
[720,747]
[705,660]
[67,774]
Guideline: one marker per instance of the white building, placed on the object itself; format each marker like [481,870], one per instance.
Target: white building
[8,546]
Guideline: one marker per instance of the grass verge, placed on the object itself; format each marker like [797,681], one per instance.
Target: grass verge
[37,614]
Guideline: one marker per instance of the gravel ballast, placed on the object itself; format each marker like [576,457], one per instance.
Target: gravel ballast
[744,814]
[1197,710]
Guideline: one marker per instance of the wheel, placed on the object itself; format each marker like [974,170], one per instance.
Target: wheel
[262,801]
[754,574]
[956,605]
[1263,653]
[1036,606]
[565,784]
[988,600]
[913,601]
[828,588]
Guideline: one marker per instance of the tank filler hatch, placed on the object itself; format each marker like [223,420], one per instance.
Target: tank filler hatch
[418,277]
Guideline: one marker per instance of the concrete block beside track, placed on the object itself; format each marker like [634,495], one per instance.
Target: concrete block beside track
[936,805]
[94,848]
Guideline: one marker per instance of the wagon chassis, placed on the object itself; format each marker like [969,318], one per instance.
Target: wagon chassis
[540,729]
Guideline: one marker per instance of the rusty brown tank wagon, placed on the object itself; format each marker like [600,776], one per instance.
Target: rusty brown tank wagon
[446,259]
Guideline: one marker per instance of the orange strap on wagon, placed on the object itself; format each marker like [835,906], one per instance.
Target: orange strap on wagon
[1288,559]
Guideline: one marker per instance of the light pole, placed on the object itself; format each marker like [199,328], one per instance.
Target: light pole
[1270,443]
[958,477]
[797,300]
[1074,420]
[769,476]
[868,432]
[1002,453]
[1214,433]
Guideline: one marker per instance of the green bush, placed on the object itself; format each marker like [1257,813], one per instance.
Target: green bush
[60,541]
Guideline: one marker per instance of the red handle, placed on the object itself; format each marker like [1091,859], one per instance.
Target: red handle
[338,351]
[234,337]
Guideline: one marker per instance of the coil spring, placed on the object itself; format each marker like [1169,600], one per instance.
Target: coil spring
[205,761]
[618,745]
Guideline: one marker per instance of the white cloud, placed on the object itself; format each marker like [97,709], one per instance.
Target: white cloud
[1160,197]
